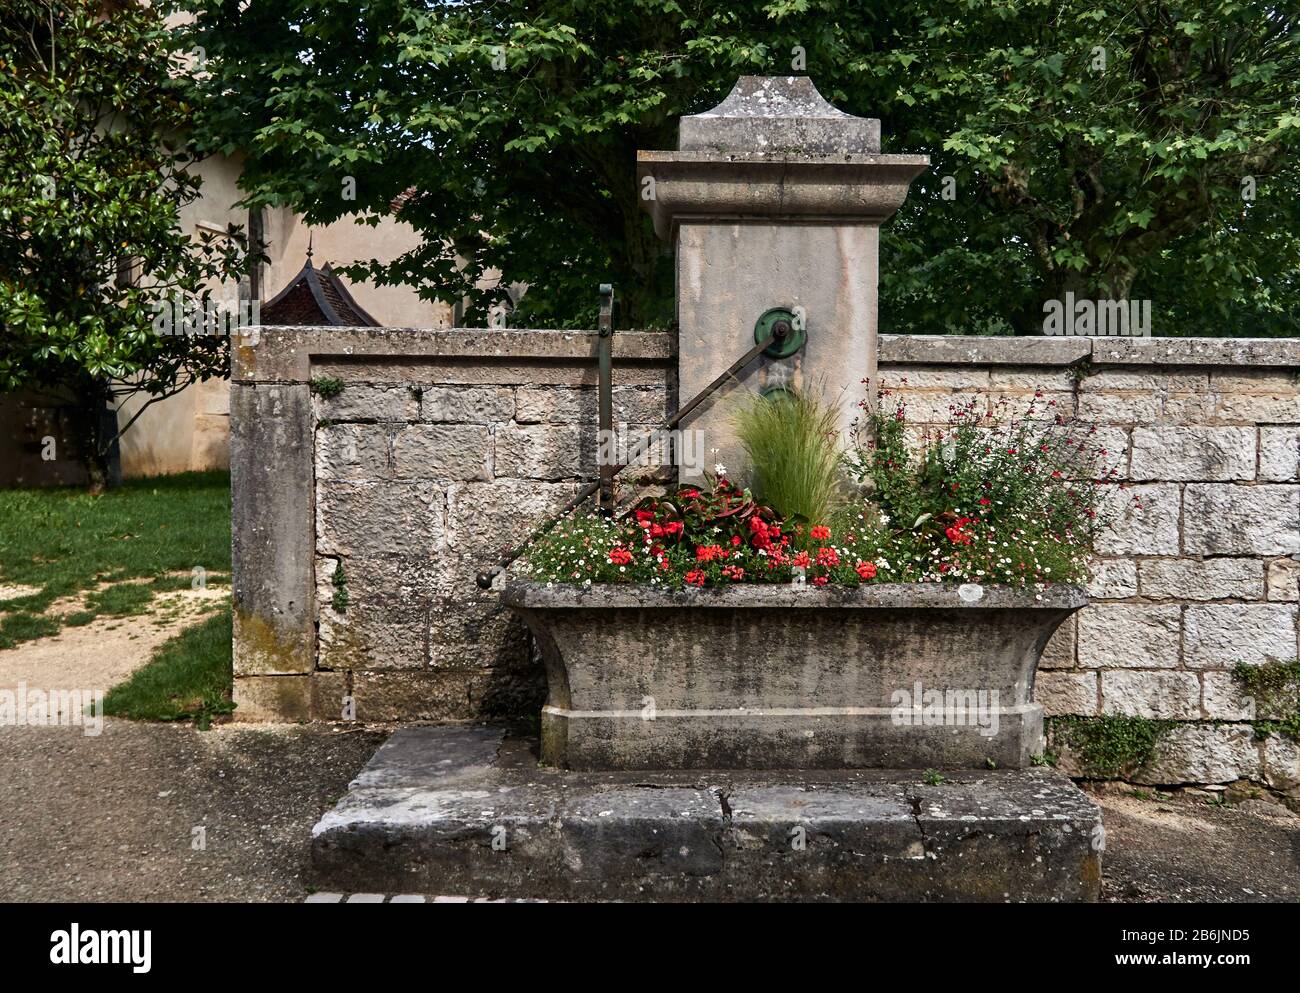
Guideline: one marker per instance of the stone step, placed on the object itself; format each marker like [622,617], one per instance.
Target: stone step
[468,810]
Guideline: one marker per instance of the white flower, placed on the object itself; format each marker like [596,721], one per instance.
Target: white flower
[720,469]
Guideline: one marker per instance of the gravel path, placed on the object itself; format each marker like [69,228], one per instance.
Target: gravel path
[103,653]
[114,818]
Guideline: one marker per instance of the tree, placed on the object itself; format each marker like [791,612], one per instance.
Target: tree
[92,180]
[1094,146]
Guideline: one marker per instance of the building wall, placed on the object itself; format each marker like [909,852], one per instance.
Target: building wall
[417,474]
[191,431]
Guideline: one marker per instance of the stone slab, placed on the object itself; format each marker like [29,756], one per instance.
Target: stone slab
[467,809]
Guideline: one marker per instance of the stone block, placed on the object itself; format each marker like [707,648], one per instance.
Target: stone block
[425,812]
[1142,381]
[485,518]
[1202,579]
[1168,453]
[353,451]
[1225,519]
[567,405]
[905,379]
[1279,454]
[271,529]
[368,402]
[1067,693]
[443,452]
[546,451]
[1157,695]
[1113,579]
[443,695]
[1225,698]
[1283,580]
[1145,521]
[1281,765]
[466,404]
[1137,636]
[1220,635]
[354,519]
[1059,653]
[1202,753]
[273,699]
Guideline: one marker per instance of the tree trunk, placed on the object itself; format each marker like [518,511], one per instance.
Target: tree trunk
[96,426]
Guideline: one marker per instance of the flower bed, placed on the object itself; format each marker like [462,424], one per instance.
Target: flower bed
[987,500]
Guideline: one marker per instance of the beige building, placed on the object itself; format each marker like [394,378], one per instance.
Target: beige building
[190,431]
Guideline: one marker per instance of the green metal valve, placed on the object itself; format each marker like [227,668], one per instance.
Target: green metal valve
[786,330]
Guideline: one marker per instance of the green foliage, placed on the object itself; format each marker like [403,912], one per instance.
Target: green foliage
[24,626]
[189,677]
[93,179]
[121,599]
[1275,689]
[1109,746]
[792,443]
[522,118]
[932,777]
[327,387]
[991,497]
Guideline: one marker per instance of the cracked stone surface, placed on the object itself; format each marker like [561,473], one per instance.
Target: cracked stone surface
[465,809]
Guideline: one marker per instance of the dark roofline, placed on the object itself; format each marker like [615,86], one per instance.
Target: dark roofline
[313,277]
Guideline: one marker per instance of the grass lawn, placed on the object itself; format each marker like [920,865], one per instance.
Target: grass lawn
[65,541]
[118,551]
[188,677]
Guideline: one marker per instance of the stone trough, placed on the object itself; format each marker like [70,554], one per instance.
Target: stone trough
[904,676]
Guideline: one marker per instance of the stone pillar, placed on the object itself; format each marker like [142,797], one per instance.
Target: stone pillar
[774,199]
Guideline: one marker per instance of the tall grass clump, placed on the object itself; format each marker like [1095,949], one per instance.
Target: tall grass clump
[793,444]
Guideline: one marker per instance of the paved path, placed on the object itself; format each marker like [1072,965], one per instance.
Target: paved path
[115,818]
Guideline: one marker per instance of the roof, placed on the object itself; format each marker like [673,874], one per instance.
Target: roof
[315,297]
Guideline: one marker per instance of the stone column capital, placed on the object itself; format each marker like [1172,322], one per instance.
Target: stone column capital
[831,188]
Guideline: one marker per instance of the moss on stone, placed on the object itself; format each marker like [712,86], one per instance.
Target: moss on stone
[1275,689]
[1109,746]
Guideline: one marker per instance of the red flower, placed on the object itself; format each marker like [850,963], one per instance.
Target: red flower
[955,533]
[801,560]
[644,517]
[656,530]
[707,553]
[735,540]
[827,557]
[733,572]
[673,528]
[985,501]
[695,577]
[866,570]
[690,494]
[820,532]
[820,580]
[620,556]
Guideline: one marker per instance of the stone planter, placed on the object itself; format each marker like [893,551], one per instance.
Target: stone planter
[783,677]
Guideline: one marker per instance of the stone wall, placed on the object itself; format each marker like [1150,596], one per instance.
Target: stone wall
[375,473]
[443,447]
[1199,577]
